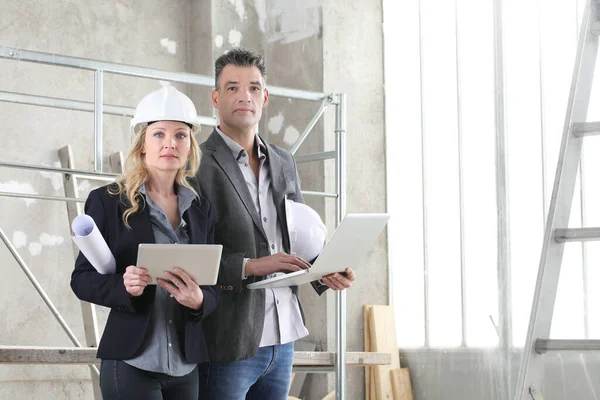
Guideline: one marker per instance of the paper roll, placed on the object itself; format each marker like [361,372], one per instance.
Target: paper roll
[92,244]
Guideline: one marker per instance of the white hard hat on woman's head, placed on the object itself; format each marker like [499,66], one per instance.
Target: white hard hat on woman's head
[307,231]
[165,104]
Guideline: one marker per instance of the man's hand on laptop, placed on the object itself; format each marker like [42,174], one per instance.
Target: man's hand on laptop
[280,262]
[339,281]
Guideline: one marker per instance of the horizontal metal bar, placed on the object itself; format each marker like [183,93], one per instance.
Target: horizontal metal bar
[142,72]
[544,345]
[78,105]
[326,155]
[295,93]
[586,129]
[313,370]
[95,178]
[65,104]
[577,234]
[319,194]
[79,172]
[40,197]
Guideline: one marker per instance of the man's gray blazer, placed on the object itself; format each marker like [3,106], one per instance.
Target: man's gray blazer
[234,329]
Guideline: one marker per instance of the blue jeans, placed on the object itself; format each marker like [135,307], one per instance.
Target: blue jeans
[119,380]
[265,376]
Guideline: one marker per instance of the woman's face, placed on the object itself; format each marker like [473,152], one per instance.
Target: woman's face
[167,145]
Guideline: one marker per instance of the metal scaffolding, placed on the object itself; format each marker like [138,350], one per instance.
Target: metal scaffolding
[338,364]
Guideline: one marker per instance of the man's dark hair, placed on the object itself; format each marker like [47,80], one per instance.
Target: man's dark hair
[240,58]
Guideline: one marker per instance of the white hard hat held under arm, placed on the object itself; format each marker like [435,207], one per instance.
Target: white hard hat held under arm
[306,229]
[165,104]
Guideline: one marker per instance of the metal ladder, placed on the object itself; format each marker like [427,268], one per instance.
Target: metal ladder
[529,384]
[88,310]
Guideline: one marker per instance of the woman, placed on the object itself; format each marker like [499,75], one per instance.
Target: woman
[153,338]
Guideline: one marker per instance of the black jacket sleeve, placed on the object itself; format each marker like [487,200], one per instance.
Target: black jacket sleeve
[87,283]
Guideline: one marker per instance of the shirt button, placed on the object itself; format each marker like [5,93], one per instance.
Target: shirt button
[170,295]
[170,321]
[265,219]
[273,246]
[245,165]
[263,245]
[277,301]
[170,345]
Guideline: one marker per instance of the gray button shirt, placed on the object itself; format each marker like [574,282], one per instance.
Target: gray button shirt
[283,320]
[161,351]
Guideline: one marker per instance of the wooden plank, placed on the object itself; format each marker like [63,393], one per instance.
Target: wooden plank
[383,339]
[401,384]
[373,390]
[117,162]
[330,396]
[352,358]
[300,377]
[368,347]
[46,355]
[87,355]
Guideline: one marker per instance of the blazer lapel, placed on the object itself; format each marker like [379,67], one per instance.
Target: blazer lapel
[141,227]
[141,232]
[228,163]
[279,192]
[195,233]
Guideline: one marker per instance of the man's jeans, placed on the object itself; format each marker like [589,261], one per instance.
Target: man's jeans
[266,376]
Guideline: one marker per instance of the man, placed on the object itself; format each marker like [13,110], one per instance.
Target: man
[251,334]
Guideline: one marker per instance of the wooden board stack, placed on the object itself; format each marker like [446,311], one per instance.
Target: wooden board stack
[384,382]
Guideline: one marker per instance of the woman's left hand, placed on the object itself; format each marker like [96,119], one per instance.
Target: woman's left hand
[182,288]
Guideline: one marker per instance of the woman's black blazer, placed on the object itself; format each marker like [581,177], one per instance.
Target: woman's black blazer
[129,316]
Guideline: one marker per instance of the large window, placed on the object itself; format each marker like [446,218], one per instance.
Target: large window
[476,94]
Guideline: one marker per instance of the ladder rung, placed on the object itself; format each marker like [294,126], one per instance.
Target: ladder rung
[596,28]
[586,128]
[544,345]
[577,234]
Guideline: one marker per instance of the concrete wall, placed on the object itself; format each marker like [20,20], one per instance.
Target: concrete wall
[353,64]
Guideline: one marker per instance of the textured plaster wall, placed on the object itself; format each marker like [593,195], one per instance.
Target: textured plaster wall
[353,64]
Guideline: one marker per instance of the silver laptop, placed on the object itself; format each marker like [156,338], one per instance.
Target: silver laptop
[200,261]
[347,247]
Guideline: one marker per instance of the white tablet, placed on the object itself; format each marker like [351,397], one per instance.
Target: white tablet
[200,261]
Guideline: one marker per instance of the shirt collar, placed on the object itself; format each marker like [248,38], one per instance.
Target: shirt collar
[238,151]
[185,197]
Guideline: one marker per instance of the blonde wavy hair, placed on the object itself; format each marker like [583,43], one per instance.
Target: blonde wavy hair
[136,173]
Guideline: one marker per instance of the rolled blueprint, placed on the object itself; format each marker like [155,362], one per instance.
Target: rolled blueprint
[92,244]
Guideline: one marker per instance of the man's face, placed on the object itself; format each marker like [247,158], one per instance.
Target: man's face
[240,98]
